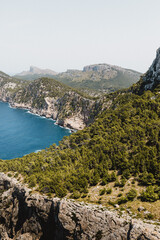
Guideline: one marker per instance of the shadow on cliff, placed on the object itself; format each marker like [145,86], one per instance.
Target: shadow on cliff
[34,220]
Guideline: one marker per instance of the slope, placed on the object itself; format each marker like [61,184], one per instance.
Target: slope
[100,77]
[50,98]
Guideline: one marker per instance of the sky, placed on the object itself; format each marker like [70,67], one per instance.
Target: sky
[70,34]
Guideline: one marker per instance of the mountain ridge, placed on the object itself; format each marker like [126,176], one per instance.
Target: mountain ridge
[102,78]
[35,70]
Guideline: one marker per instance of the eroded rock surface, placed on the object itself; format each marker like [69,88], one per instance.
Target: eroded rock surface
[32,216]
[152,76]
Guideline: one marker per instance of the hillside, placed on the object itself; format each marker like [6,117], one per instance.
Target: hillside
[117,154]
[31,216]
[100,77]
[50,98]
[103,78]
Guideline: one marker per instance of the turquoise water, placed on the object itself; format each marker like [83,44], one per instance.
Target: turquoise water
[22,133]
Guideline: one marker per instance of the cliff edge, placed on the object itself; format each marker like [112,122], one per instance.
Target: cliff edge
[28,216]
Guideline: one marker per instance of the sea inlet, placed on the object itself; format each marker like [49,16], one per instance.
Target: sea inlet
[22,132]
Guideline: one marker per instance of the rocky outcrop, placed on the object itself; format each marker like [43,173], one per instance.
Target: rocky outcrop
[152,77]
[49,98]
[28,216]
[38,71]
[103,78]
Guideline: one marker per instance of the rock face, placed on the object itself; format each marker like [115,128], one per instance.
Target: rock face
[103,78]
[31,217]
[34,70]
[152,76]
[49,98]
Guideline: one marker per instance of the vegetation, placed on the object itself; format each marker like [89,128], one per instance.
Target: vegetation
[101,80]
[124,139]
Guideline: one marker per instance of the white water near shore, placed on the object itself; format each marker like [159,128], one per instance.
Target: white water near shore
[51,119]
[23,133]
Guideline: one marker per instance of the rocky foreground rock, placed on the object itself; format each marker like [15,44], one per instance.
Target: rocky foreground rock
[28,216]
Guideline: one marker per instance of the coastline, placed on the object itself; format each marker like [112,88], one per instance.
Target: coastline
[29,110]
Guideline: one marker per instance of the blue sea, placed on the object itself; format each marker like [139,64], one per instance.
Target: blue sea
[22,132]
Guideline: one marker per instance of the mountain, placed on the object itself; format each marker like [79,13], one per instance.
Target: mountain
[100,77]
[35,73]
[103,78]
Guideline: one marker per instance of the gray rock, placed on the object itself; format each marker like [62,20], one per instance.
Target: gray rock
[32,217]
[152,77]
[140,209]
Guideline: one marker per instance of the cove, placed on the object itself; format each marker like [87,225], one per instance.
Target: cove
[22,133]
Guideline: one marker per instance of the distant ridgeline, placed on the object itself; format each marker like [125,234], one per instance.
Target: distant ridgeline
[92,79]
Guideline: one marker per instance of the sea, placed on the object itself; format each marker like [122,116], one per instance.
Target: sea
[22,132]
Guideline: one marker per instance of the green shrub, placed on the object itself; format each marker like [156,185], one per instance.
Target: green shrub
[76,195]
[108,190]
[122,200]
[119,195]
[102,191]
[131,195]
[149,195]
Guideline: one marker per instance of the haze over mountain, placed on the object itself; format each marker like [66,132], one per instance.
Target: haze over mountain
[97,77]
[34,73]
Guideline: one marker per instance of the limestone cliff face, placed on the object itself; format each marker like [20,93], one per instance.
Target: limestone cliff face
[51,99]
[102,78]
[152,76]
[31,217]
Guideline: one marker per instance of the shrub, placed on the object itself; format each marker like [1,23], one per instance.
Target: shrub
[149,216]
[122,200]
[76,195]
[149,195]
[108,190]
[119,195]
[126,174]
[102,191]
[132,194]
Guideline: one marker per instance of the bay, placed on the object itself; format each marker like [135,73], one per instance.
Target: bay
[22,133]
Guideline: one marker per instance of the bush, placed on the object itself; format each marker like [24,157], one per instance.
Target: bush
[149,216]
[119,195]
[76,195]
[126,174]
[32,181]
[108,190]
[149,195]
[147,179]
[102,191]
[132,194]
[60,191]
[122,200]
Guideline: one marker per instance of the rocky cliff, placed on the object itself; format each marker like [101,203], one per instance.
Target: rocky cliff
[151,78]
[99,77]
[51,99]
[28,216]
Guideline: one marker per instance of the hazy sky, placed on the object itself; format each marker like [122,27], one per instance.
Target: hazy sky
[65,34]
